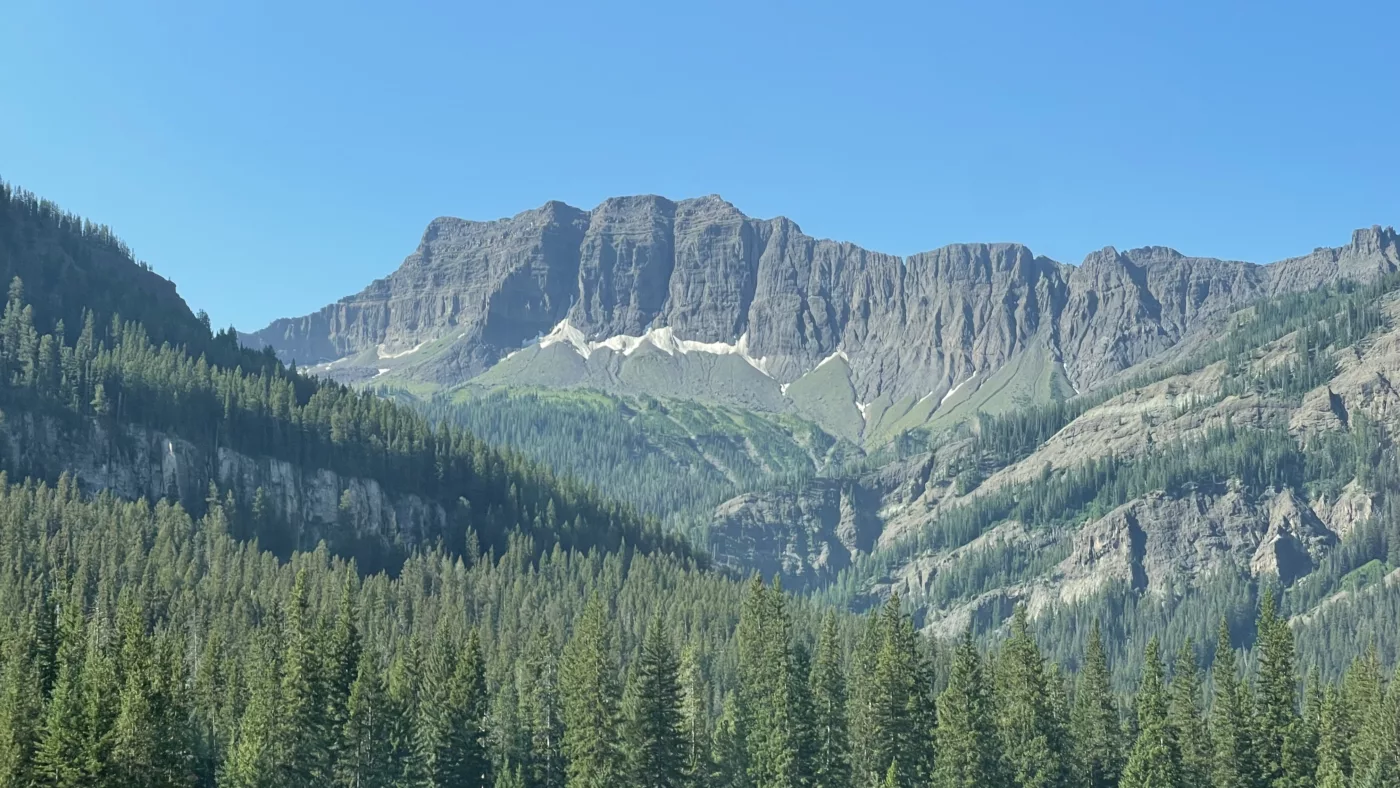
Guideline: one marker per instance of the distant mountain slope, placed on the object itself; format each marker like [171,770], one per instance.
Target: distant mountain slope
[1266,456]
[693,298]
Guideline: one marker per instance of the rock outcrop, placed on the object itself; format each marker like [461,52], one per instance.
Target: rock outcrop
[134,462]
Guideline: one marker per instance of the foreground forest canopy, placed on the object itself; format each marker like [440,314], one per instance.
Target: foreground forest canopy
[143,647]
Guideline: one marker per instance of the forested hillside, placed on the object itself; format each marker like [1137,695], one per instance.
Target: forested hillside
[80,375]
[672,459]
[164,652]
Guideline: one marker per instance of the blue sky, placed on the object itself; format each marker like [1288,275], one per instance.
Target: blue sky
[271,157]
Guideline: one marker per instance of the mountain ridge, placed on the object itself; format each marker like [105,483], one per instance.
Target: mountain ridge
[911,327]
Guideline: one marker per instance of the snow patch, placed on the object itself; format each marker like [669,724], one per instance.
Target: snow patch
[783,387]
[663,339]
[841,354]
[379,351]
[565,333]
[862,406]
[954,390]
[381,371]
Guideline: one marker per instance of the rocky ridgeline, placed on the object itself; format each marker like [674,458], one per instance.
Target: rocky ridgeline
[914,326]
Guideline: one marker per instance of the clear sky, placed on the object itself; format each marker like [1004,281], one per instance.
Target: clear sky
[271,157]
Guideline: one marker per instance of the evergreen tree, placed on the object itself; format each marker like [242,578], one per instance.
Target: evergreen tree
[695,719]
[59,760]
[1028,732]
[20,705]
[1363,691]
[591,718]
[1155,760]
[366,755]
[765,720]
[1333,758]
[1231,734]
[831,766]
[136,738]
[966,754]
[302,740]
[1187,724]
[1277,692]
[1097,732]
[470,703]
[655,744]
[542,757]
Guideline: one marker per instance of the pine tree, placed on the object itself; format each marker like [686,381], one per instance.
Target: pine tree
[1300,741]
[1154,761]
[20,705]
[470,702]
[1333,759]
[136,738]
[366,753]
[1363,692]
[591,718]
[655,746]
[831,767]
[1026,725]
[1233,765]
[255,758]
[695,719]
[510,776]
[59,759]
[861,704]
[101,703]
[302,738]
[342,668]
[765,719]
[434,758]
[1187,724]
[541,756]
[1097,732]
[966,735]
[1277,699]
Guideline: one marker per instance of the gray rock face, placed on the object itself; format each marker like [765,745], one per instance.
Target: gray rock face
[480,290]
[806,533]
[136,463]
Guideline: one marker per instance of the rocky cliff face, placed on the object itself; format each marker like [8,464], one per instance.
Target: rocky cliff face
[133,462]
[474,292]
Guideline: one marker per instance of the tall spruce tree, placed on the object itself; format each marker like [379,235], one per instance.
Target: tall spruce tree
[588,676]
[1333,758]
[655,743]
[1028,730]
[966,751]
[1188,728]
[831,766]
[1277,694]
[1154,761]
[765,720]
[1097,732]
[1231,730]
[365,748]
[695,719]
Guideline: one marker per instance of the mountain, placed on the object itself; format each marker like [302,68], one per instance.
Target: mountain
[694,299]
[221,572]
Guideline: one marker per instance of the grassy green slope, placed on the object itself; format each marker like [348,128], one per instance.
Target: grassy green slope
[664,456]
